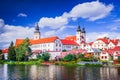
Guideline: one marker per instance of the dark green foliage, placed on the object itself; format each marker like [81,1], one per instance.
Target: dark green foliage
[45,57]
[23,50]
[0,51]
[11,52]
[80,55]
[38,56]
[70,57]
[119,59]
[1,55]
[64,50]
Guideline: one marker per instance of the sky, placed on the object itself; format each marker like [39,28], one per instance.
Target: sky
[101,18]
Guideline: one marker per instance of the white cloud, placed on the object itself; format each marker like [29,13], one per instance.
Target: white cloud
[94,35]
[89,10]
[55,32]
[22,15]
[1,23]
[11,33]
[53,23]
[116,20]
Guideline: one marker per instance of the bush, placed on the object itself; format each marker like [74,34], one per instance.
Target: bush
[70,57]
[45,56]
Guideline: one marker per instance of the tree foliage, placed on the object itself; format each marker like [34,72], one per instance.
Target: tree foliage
[23,50]
[11,52]
[1,55]
[70,57]
[119,59]
[45,56]
[38,56]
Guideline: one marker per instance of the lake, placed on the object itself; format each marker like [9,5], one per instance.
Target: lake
[52,72]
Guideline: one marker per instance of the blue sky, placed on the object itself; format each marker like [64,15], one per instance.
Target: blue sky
[58,18]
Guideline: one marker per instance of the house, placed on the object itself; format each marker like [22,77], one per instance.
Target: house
[101,43]
[5,53]
[104,55]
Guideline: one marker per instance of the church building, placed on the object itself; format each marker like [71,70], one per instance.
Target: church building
[55,43]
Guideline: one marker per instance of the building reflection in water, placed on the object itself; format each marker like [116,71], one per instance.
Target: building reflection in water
[109,73]
[52,72]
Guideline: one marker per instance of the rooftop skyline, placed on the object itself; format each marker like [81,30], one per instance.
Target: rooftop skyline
[58,18]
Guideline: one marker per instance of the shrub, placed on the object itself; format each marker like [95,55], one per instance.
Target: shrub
[70,57]
[45,56]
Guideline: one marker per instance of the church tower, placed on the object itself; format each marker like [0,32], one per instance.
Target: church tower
[83,35]
[36,33]
[78,35]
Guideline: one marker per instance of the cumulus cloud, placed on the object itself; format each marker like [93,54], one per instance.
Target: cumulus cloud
[94,35]
[11,33]
[1,23]
[22,15]
[89,10]
[53,23]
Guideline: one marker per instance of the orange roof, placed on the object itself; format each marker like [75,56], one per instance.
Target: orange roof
[71,38]
[39,41]
[68,42]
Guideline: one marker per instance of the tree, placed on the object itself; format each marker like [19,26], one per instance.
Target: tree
[119,59]
[38,56]
[23,50]
[11,52]
[45,56]
[70,57]
[1,55]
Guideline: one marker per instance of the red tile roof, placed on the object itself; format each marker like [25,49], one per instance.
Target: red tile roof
[90,43]
[5,51]
[71,38]
[114,41]
[105,40]
[68,42]
[39,41]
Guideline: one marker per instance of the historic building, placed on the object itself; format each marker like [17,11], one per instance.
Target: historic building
[55,43]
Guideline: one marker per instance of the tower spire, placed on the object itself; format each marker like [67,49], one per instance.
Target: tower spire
[36,32]
[78,29]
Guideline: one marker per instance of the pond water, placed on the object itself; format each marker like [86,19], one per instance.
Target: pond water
[37,72]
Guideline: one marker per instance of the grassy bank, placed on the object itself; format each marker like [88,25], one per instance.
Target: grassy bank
[23,62]
[74,63]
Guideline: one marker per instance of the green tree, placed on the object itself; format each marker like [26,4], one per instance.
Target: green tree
[70,57]
[1,55]
[11,52]
[38,56]
[45,56]
[119,59]
[23,50]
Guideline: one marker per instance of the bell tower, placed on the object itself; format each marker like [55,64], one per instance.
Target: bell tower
[36,32]
[78,35]
[83,35]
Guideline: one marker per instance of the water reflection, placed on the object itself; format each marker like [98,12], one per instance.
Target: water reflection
[37,72]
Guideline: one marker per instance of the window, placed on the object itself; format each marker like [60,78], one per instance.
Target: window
[105,57]
[59,45]
[56,44]
[102,57]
